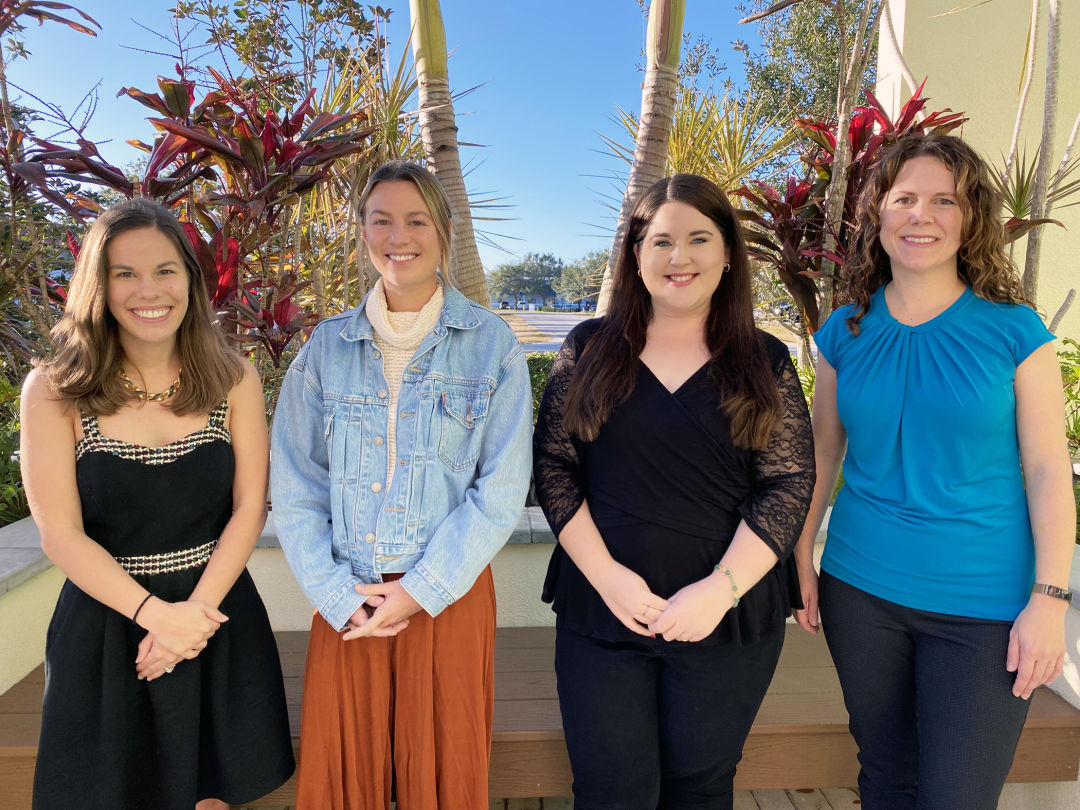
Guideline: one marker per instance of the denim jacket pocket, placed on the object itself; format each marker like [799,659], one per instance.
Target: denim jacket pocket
[343,431]
[462,411]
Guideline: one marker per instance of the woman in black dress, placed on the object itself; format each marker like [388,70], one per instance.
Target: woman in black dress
[144,455]
[674,461]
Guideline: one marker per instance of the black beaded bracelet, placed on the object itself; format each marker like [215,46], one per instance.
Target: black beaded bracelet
[135,615]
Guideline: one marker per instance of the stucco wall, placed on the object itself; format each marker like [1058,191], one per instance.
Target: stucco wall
[973,59]
[24,617]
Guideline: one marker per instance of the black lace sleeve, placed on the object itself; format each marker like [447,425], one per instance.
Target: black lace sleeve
[557,473]
[784,481]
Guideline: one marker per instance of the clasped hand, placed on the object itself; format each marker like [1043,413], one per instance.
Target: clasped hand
[1037,644]
[386,611]
[694,611]
[177,631]
[691,614]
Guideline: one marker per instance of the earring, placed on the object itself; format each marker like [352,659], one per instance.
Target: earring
[639,273]
[726,268]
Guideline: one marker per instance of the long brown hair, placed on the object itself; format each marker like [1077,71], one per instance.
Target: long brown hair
[981,261]
[605,374]
[85,365]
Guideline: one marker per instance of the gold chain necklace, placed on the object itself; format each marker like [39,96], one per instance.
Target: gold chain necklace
[142,396]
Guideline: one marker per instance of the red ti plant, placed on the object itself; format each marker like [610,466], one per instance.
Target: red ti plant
[788,231]
[232,167]
[870,132]
[269,313]
[781,228]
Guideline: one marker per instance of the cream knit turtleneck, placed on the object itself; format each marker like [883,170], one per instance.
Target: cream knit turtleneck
[398,335]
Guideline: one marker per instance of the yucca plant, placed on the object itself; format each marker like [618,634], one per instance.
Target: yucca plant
[1016,182]
[726,139]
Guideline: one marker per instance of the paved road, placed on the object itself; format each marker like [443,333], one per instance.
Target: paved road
[553,324]
[556,325]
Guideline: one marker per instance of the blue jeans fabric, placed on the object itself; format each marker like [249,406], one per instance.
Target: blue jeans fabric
[653,725]
[930,701]
[463,455]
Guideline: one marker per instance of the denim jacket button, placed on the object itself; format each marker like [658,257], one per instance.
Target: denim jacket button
[376,487]
[378,441]
[376,354]
[382,393]
[369,537]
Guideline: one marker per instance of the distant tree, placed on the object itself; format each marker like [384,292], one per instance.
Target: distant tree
[284,47]
[581,279]
[534,276]
[796,70]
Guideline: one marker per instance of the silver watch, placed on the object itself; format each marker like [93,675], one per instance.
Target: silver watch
[1052,590]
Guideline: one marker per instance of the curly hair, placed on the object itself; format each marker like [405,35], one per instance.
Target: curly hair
[85,365]
[981,261]
[605,374]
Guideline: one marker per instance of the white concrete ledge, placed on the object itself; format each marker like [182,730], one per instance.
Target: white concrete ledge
[21,557]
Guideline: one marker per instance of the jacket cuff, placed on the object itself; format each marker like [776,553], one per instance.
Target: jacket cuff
[423,587]
[339,607]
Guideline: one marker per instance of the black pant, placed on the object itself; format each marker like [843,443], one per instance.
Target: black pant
[929,698]
[650,725]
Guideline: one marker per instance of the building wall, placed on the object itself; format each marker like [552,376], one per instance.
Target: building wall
[24,617]
[973,60]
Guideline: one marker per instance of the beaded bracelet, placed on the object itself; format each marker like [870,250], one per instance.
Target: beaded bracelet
[135,615]
[734,587]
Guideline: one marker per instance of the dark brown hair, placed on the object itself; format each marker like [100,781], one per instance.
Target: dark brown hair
[981,261]
[605,374]
[85,365]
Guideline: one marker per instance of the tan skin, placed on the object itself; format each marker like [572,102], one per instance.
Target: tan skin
[925,283]
[682,258]
[146,276]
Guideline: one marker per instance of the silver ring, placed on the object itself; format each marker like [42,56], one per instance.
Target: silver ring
[169,669]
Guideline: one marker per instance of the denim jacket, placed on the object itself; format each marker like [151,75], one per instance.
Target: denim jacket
[464,427]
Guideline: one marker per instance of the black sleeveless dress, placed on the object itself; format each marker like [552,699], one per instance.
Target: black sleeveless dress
[217,726]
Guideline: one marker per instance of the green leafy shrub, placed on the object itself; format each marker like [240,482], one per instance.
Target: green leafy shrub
[1076,497]
[1069,360]
[540,364]
[12,496]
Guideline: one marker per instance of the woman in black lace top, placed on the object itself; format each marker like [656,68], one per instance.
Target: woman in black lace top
[674,462]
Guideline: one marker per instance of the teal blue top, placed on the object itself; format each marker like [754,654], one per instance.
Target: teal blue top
[933,513]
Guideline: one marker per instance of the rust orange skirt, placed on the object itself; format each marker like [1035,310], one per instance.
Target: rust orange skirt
[409,715]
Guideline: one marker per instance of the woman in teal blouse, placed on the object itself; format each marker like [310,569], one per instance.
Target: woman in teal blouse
[944,579]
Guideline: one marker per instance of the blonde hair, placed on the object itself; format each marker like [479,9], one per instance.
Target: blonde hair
[430,189]
[85,365]
[981,261]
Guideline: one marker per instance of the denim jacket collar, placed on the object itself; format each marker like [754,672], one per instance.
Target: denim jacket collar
[456,314]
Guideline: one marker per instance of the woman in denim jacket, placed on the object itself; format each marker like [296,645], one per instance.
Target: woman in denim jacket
[400,465]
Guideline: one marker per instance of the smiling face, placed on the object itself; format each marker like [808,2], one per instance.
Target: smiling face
[148,286]
[921,219]
[681,259]
[403,243]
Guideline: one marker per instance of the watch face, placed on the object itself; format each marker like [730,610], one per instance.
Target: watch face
[1052,590]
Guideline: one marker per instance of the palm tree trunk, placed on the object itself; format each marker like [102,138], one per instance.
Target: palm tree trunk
[438,130]
[852,70]
[1039,207]
[657,107]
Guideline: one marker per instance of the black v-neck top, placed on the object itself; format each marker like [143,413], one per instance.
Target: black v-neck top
[667,489]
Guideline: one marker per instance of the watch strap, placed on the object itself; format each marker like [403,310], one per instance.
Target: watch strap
[1052,590]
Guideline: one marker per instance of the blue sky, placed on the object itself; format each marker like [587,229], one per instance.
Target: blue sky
[548,76]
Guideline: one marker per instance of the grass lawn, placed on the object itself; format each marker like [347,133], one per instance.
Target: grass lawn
[522,330]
